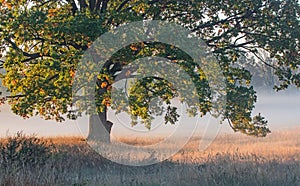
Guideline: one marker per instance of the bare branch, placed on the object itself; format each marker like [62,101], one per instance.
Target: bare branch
[262,60]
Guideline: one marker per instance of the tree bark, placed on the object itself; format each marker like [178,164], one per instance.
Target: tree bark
[99,128]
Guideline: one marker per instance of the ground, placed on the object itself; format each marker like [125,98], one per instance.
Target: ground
[230,160]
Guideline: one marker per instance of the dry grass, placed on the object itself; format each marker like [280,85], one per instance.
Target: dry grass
[283,145]
[229,160]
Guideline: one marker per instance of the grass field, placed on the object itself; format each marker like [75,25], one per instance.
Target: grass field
[229,160]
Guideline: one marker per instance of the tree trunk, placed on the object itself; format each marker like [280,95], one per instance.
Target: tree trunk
[99,128]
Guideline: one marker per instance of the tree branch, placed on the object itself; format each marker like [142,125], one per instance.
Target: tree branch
[231,46]
[231,126]
[74,6]
[1,63]
[98,5]
[15,96]
[124,73]
[92,4]
[104,6]
[82,4]
[235,17]
[15,46]
[210,24]
[122,5]
[53,77]
[263,61]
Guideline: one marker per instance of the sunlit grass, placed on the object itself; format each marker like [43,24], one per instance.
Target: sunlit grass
[229,160]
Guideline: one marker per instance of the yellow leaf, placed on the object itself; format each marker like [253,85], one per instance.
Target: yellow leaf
[231,81]
[42,92]
[234,57]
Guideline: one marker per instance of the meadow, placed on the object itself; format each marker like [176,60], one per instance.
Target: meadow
[232,159]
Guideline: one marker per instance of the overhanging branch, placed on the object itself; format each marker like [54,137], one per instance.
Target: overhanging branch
[15,46]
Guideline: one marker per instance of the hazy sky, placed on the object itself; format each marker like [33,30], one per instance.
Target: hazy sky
[282,111]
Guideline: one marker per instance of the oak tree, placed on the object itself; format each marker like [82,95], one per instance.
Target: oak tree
[43,41]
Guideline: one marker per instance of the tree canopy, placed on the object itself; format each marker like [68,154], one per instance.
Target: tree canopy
[43,41]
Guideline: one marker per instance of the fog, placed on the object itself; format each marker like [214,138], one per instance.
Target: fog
[282,110]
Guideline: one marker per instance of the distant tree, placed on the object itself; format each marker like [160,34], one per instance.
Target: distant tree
[263,76]
[44,40]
